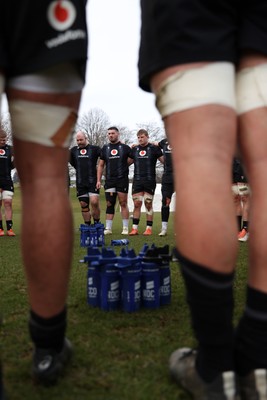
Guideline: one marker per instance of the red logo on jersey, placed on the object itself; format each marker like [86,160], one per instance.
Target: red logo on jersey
[2,152]
[114,152]
[61,14]
[142,153]
[83,152]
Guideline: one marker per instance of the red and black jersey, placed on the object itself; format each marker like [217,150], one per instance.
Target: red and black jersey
[238,174]
[167,176]
[6,164]
[84,160]
[116,156]
[145,159]
[39,34]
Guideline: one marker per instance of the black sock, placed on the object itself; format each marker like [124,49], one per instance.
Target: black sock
[165,213]
[149,223]
[1,224]
[136,221]
[210,298]
[9,224]
[87,222]
[245,225]
[251,334]
[48,333]
[239,222]
[96,221]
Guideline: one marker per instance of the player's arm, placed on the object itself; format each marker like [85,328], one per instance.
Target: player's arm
[130,161]
[12,160]
[100,168]
[72,159]
[161,159]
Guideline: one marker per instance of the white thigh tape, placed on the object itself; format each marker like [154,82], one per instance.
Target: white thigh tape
[46,124]
[6,195]
[212,83]
[251,88]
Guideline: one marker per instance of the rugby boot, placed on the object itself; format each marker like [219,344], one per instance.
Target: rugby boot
[48,365]
[163,233]
[133,232]
[183,370]
[10,232]
[148,232]
[243,235]
[254,385]
[125,231]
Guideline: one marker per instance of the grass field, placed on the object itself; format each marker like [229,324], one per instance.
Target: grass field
[118,356]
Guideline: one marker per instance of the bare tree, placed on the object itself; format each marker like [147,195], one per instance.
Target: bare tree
[94,123]
[5,124]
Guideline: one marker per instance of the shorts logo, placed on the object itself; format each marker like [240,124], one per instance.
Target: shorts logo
[83,152]
[169,147]
[142,153]
[2,152]
[61,14]
[114,152]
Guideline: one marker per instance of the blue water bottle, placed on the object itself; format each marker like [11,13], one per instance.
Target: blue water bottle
[150,280]
[130,267]
[93,236]
[100,234]
[84,235]
[110,281]
[143,250]
[165,275]
[120,242]
[93,258]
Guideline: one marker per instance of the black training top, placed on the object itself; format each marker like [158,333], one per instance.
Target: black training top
[145,159]
[84,160]
[6,164]
[167,176]
[238,174]
[116,156]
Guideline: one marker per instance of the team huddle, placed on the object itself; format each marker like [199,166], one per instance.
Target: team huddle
[113,160]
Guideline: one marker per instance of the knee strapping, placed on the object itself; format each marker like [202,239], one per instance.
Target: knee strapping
[46,124]
[110,209]
[111,201]
[212,83]
[148,198]
[251,88]
[84,203]
[149,212]
[137,198]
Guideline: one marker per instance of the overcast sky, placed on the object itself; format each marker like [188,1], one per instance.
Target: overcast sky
[112,76]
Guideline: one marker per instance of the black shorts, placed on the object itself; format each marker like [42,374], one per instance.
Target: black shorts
[184,31]
[7,185]
[85,190]
[167,190]
[144,186]
[38,34]
[120,185]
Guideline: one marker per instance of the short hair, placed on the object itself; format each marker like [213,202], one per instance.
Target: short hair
[142,132]
[84,134]
[113,128]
